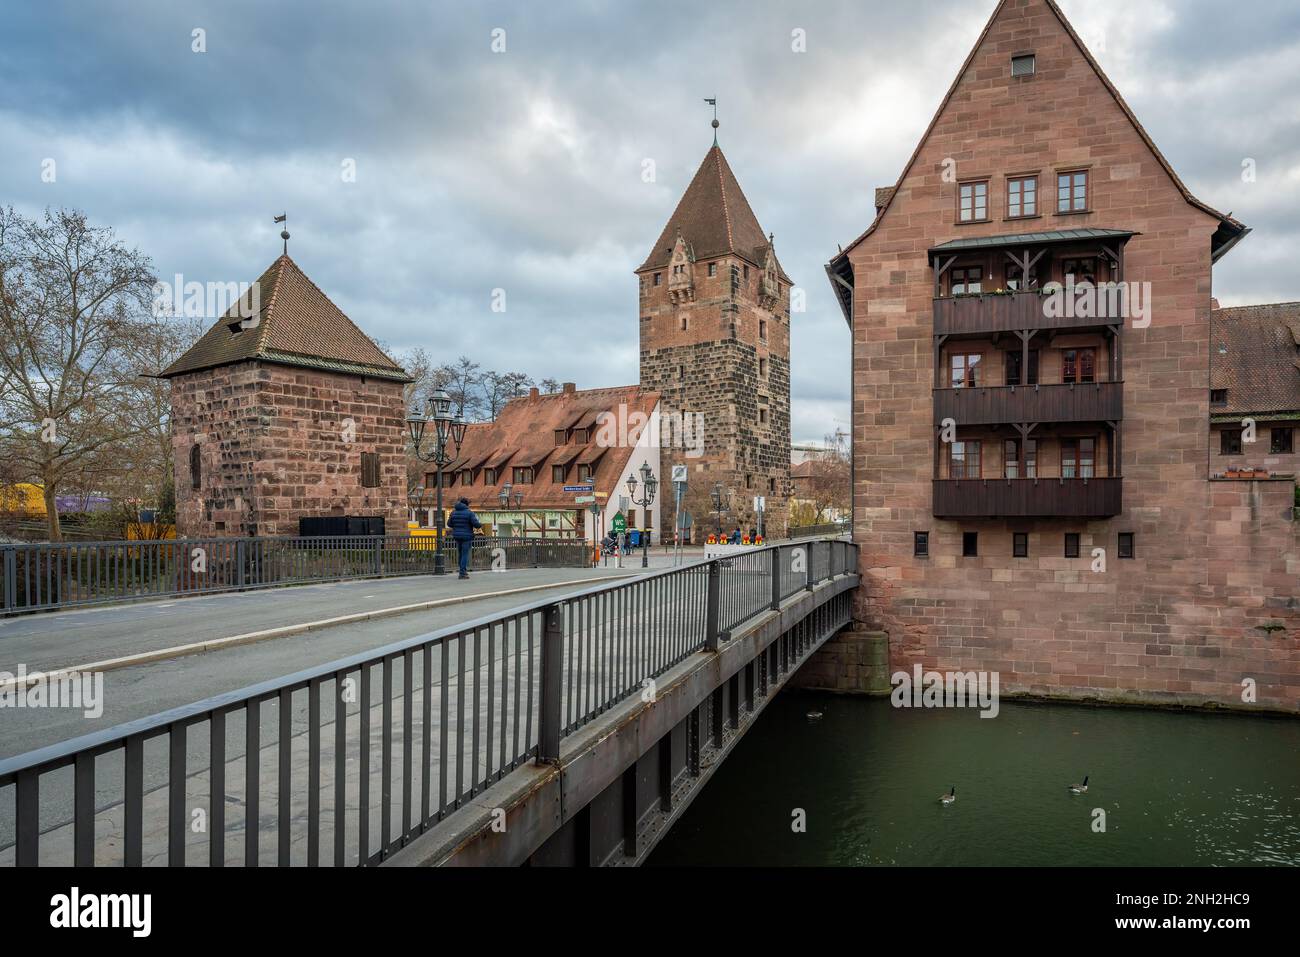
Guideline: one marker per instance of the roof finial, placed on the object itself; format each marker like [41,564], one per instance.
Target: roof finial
[284,233]
[713,102]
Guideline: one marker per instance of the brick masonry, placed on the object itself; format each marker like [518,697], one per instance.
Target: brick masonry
[725,355]
[275,445]
[1177,624]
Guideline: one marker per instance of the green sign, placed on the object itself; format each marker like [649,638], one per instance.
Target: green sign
[619,524]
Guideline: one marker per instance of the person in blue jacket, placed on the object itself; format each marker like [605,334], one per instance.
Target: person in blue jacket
[463,523]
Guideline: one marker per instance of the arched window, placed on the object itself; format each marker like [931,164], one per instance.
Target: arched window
[196,467]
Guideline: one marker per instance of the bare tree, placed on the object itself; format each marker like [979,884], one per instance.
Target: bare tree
[823,491]
[500,387]
[72,303]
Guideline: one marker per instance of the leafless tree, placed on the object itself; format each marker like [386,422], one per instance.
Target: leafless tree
[73,305]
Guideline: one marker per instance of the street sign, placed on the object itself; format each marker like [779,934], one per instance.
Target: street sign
[760,503]
[679,474]
[579,488]
[584,499]
[619,525]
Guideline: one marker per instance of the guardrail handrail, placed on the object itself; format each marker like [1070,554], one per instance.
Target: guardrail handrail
[582,659]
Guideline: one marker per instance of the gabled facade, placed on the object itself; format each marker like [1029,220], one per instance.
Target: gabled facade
[715,340]
[285,412]
[541,444]
[1008,436]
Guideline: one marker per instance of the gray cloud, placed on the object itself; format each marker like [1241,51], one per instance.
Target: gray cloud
[522,170]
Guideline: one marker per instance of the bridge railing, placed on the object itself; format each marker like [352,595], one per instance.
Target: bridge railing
[353,759]
[49,576]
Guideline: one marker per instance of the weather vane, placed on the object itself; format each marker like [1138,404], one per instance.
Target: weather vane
[713,102]
[284,233]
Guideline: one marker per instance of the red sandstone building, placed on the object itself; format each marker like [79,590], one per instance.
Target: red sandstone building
[289,414]
[1001,437]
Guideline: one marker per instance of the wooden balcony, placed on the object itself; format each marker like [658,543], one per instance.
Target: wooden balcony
[996,405]
[1028,498]
[987,313]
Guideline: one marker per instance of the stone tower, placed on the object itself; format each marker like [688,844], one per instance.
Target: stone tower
[291,413]
[715,343]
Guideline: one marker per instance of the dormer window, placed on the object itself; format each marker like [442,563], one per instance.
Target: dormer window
[1023,64]
[1218,397]
[581,436]
[561,436]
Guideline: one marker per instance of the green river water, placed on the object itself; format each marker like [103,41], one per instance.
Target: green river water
[1177,788]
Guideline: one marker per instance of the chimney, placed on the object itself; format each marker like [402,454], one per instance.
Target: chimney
[533,392]
[569,387]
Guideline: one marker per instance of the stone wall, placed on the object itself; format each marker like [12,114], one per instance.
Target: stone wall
[706,355]
[280,443]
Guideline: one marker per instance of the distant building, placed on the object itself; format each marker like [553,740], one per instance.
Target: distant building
[1255,378]
[539,446]
[715,341]
[293,413]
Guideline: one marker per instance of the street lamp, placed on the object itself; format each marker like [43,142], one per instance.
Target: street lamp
[448,430]
[721,503]
[648,486]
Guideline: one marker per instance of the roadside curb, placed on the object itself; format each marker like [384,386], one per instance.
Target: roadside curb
[284,631]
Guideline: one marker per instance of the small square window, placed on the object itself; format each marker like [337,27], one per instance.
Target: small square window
[1282,441]
[970,544]
[1071,544]
[1023,65]
[1218,397]
[1020,545]
[973,202]
[1072,192]
[1230,442]
[921,544]
[1126,546]
[713,270]
[659,278]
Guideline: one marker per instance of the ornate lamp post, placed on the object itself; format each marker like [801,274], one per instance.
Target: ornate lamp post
[448,432]
[721,503]
[648,486]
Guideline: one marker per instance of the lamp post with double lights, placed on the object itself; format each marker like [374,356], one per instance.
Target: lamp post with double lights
[505,495]
[449,433]
[721,503]
[648,486]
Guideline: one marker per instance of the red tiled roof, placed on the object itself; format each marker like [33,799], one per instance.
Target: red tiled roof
[714,217]
[298,326]
[1255,356]
[524,434]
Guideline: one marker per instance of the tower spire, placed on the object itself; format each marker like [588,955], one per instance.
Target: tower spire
[284,233]
[713,102]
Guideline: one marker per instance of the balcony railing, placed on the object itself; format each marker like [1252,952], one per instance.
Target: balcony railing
[1028,498]
[1007,312]
[994,405]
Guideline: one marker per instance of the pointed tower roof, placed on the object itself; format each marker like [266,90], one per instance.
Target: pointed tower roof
[714,217]
[297,325]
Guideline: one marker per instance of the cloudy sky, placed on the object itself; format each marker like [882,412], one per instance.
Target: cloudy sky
[522,170]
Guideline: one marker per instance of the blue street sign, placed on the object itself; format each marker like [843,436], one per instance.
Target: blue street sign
[579,488]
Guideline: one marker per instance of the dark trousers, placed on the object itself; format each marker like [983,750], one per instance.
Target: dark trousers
[463,547]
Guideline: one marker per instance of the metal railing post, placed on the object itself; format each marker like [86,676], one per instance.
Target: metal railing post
[241,555]
[552,675]
[11,578]
[379,557]
[776,577]
[812,565]
[713,608]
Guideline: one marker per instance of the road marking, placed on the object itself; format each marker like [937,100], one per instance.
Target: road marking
[285,631]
